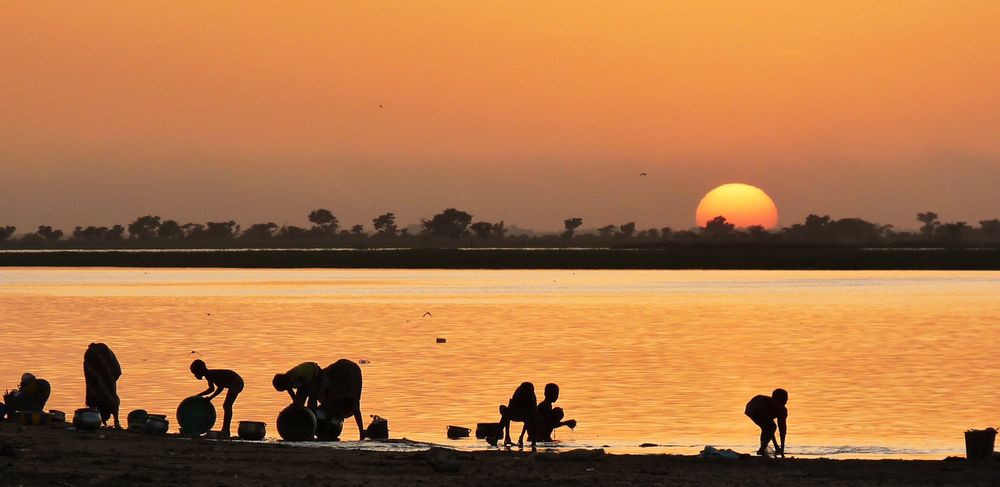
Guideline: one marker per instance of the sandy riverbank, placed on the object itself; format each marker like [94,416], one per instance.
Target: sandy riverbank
[57,457]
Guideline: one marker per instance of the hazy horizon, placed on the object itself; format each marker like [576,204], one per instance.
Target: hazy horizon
[527,112]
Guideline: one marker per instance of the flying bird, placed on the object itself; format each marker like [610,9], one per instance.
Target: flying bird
[642,174]
[427,314]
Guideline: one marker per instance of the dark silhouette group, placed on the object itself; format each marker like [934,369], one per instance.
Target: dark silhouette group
[31,395]
[539,419]
[336,391]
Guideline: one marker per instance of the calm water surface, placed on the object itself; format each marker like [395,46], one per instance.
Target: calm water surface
[876,363]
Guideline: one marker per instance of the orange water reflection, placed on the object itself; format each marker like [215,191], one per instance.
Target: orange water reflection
[896,359]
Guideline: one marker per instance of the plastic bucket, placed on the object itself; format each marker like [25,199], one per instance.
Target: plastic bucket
[195,416]
[296,423]
[979,443]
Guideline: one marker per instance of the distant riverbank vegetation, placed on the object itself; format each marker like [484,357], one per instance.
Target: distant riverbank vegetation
[453,228]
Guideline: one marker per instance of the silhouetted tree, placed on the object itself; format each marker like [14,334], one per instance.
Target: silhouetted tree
[90,233]
[358,230]
[193,230]
[144,227]
[49,234]
[385,224]
[626,231]
[449,223]
[6,232]
[718,227]
[114,233]
[930,221]
[483,230]
[665,232]
[987,227]
[813,230]
[323,221]
[952,231]
[292,232]
[221,230]
[499,231]
[170,230]
[651,234]
[606,231]
[853,230]
[758,233]
[570,224]
[260,231]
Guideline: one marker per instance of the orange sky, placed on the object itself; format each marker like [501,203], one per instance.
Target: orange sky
[530,112]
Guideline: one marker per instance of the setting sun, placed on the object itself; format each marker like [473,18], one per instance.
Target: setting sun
[741,204]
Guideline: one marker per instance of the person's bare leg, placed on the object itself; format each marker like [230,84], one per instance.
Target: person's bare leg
[227,408]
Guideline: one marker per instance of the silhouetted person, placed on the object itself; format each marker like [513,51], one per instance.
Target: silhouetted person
[302,382]
[521,407]
[764,410]
[30,395]
[219,379]
[101,371]
[550,418]
[342,394]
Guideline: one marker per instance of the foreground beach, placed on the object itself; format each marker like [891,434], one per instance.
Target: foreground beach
[56,457]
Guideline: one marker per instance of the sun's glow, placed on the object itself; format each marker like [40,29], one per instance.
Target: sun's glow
[742,204]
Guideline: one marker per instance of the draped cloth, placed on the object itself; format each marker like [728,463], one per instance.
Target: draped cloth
[341,390]
[101,371]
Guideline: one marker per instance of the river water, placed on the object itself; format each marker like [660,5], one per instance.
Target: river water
[884,364]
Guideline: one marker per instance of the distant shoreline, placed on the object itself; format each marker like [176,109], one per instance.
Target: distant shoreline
[749,258]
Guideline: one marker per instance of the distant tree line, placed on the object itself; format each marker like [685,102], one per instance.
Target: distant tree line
[455,228]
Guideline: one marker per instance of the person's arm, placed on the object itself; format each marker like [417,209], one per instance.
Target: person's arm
[569,422]
[299,396]
[218,390]
[782,429]
[357,418]
[211,388]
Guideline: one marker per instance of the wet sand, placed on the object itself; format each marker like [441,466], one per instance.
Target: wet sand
[47,456]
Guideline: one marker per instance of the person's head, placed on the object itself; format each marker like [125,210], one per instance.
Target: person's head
[198,368]
[27,378]
[281,382]
[551,392]
[780,395]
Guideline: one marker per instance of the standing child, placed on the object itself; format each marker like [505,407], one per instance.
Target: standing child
[219,379]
